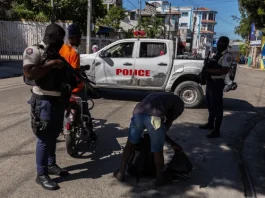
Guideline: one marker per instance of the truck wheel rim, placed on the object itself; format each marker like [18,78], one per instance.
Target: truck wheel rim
[189,95]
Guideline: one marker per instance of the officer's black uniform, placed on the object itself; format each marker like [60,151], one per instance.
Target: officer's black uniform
[214,93]
[47,107]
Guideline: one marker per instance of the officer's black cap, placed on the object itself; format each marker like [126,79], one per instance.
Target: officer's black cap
[53,33]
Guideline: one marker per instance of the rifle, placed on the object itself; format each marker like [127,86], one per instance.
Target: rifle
[50,54]
[204,75]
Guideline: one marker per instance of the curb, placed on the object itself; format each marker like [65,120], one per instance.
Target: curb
[239,144]
[250,68]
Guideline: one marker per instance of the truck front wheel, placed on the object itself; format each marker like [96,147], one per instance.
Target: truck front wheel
[191,93]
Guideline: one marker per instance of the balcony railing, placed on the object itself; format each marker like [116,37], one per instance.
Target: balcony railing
[209,21]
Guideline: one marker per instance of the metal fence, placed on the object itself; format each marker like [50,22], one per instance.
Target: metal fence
[15,36]
[100,42]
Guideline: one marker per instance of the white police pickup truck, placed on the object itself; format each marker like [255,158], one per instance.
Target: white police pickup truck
[146,64]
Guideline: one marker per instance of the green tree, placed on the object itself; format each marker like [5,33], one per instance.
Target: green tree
[40,10]
[244,27]
[255,11]
[153,26]
[244,48]
[113,18]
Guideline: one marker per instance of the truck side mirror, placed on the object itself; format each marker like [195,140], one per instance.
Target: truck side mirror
[102,54]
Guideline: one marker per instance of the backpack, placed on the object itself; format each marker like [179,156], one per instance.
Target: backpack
[179,165]
[141,162]
[231,74]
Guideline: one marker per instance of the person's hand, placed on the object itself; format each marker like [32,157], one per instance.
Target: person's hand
[57,63]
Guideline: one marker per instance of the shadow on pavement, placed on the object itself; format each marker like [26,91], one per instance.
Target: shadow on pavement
[214,161]
[230,104]
[105,154]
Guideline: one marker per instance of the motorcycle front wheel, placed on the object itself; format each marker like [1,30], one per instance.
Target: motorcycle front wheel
[70,145]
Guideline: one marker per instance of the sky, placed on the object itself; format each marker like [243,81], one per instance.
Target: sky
[225,8]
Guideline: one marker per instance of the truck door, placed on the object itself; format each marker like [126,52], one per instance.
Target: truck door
[115,64]
[152,64]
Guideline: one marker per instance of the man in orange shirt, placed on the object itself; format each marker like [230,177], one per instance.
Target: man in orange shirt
[72,56]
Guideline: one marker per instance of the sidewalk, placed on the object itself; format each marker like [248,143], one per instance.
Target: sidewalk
[254,157]
[248,67]
[10,69]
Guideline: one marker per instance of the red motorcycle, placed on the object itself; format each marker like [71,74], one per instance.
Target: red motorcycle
[77,127]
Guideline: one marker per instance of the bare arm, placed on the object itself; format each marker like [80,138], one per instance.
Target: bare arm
[32,68]
[35,72]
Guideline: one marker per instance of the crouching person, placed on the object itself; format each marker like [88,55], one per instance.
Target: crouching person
[155,113]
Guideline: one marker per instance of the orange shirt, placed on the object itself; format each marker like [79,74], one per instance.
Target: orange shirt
[71,55]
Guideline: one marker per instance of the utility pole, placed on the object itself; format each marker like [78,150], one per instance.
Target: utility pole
[88,33]
[193,29]
[140,10]
[169,20]
[53,11]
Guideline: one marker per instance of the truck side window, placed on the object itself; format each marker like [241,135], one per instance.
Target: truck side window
[152,50]
[121,50]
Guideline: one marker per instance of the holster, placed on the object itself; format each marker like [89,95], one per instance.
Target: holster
[38,125]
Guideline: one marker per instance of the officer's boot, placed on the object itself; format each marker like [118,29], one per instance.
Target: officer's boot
[209,125]
[46,182]
[216,132]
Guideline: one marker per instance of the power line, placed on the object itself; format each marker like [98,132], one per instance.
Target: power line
[131,3]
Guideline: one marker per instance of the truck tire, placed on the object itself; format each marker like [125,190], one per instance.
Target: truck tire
[191,93]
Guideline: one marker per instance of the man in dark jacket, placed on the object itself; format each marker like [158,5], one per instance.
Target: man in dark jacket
[155,113]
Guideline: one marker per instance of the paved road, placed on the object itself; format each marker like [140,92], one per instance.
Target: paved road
[215,173]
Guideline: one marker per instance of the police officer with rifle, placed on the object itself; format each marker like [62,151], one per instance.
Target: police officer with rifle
[213,75]
[52,79]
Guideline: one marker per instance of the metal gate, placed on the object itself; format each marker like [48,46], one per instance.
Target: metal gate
[15,36]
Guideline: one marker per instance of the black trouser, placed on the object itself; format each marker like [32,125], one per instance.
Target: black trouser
[47,114]
[214,98]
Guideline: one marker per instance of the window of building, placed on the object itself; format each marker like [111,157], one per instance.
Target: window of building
[152,50]
[202,39]
[211,16]
[121,50]
[203,27]
[184,25]
[211,28]
[132,16]
[204,16]
[184,14]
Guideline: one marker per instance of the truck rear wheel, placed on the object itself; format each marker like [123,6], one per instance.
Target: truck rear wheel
[191,93]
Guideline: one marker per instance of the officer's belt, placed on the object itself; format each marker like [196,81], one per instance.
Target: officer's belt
[45,97]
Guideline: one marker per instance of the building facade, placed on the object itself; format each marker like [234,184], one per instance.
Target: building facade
[204,30]
[194,26]
[110,3]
